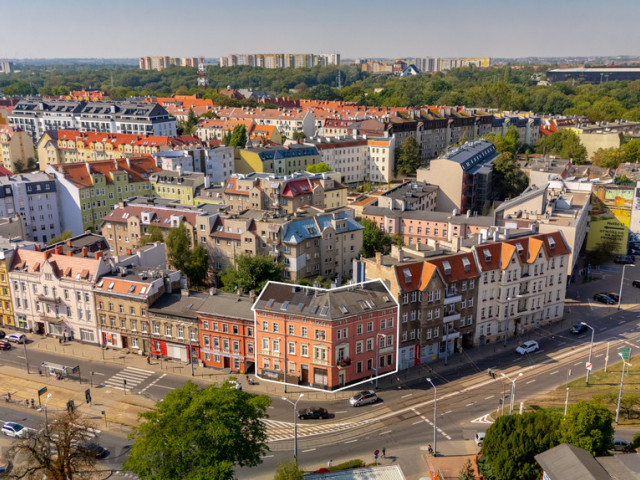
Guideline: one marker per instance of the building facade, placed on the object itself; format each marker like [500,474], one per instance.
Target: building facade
[16,146]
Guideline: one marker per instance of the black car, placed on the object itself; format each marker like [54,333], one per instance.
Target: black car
[623,259]
[613,296]
[578,328]
[636,283]
[313,413]
[599,297]
[2,334]
[4,345]
[94,449]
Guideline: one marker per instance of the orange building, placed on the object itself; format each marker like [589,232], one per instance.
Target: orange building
[325,339]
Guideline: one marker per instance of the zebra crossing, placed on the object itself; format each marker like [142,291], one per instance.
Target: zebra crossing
[133,377]
[277,430]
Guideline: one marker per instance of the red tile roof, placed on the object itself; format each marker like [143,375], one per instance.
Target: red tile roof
[77,268]
[457,267]
[138,170]
[161,216]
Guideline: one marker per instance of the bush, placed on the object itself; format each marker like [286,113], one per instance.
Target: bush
[356,463]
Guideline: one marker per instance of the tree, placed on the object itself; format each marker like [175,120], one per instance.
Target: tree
[509,143]
[509,180]
[408,157]
[198,267]
[298,136]
[466,471]
[197,433]
[603,253]
[588,425]
[607,157]
[238,136]
[564,143]
[154,234]
[58,452]
[251,272]
[319,168]
[61,238]
[512,442]
[373,239]
[628,402]
[18,166]
[179,247]
[289,471]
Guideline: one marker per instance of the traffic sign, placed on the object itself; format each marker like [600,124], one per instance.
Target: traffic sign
[626,353]
[42,390]
[588,365]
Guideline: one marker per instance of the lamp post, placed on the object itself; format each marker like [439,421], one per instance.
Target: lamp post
[624,363]
[46,424]
[378,355]
[446,344]
[435,418]
[190,350]
[621,282]
[26,358]
[513,390]
[284,368]
[590,348]
[295,424]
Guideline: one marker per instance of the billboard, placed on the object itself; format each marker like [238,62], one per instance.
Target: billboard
[610,216]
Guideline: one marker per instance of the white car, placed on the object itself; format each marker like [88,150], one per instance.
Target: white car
[17,338]
[13,429]
[235,384]
[528,347]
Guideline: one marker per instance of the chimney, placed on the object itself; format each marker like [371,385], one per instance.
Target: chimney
[38,248]
[69,253]
[47,254]
[129,251]
[85,251]
[378,258]
[239,293]
[59,250]
[99,255]
[252,296]
[68,243]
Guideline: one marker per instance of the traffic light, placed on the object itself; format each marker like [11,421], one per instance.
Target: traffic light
[87,395]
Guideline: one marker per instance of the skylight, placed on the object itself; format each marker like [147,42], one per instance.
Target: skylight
[270,303]
[111,285]
[325,311]
[314,309]
[100,283]
[343,309]
[144,289]
[285,305]
[407,275]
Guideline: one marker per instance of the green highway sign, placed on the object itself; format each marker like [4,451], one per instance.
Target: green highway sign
[625,353]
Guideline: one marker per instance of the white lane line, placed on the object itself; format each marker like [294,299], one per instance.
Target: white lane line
[384,433]
[579,363]
[553,373]
[602,329]
[469,404]
[351,441]
[153,383]
[620,322]
[562,343]
[341,411]
[600,355]
[515,360]
[310,450]
[448,411]
[415,423]
[140,370]
[407,395]
[173,388]
[490,396]
[267,456]
[530,381]
[20,357]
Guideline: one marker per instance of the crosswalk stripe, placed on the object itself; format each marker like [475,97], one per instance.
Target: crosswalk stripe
[133,376]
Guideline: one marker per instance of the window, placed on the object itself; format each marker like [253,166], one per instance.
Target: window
[304,350]
[369,326]
[292,348]
[274,327]
[167,330]
[369,344]
[304,331]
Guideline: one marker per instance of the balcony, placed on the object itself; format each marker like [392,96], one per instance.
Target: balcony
[274,253]
[451,318]
[452,298]
[50,299]
[344,362]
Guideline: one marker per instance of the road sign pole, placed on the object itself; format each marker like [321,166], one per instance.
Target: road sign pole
[566,402]
[606,358]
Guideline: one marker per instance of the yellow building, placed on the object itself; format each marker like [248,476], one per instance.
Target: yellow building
[6,307]
[278,160]
[182,188]
[15,146]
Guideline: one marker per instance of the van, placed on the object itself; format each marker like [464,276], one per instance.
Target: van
[619,445]
[480,438]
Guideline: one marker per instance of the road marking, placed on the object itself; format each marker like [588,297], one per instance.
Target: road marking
[20,357]
[490,396]
[562,343]
[482,419]
[581,336]
[515,360]
[579,363]
[469,404]
[530,381]
[415,423]
[267,456]
[384,433]
[448,411]
[621,322]
[553,373]
[407,395]
[341,411]
[351,441]
[602,329]
[154,382]
[600,355]
[310,450]
[172,388]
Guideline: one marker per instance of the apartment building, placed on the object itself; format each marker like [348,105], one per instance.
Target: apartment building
[325,339]
[276,159]
[36,198]
[410,195]
[522,285]
[123,299]
[88,191]
[37,115]
[526,124]
[209,129]
[162,62]
[217,163]
[464,176]
[287,121]
[178,186]
[280,60]
[6,303]
[52,293]
[73,146]
[16,146]
[227,335]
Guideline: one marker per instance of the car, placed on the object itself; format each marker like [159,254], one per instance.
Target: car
[2,334]
[4,345]
[235,384]
[313,413]
[528,347]
[578,328]
[607,300]
[94,449]
[636,283]
[363,398]
[613,296]
[623,259]
[13,429]
[17,338]
[480,438]
[620,445]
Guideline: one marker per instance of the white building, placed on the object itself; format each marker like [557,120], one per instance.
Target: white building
[216,163]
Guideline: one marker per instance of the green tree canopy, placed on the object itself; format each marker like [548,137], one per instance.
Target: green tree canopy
[238,136]
[509,180]
[154,234]
[373,239]
[200,433]
[251,272]
[509,143]
[179,247]
[198,267]
[408,157]
[588,425]
[289,471]
[319,168]
[564,143]
[512,442]
[61,238]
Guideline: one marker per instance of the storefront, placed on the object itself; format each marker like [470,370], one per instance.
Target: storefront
[111,339]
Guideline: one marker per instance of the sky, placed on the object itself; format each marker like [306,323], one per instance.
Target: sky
[353,28]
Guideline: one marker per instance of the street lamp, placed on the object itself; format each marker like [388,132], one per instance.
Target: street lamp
[435,418]
[378,355]
[46,424]
[621,282]
[590,348]
[624,363]
[190,350]
[513,390]
[295,424]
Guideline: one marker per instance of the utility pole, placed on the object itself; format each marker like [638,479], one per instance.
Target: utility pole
[26,358]
[624,363]
[435,417]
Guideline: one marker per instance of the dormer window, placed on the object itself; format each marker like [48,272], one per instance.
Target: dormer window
[447,267]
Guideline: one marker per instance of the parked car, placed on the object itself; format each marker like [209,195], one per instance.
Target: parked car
[480,438]
[528,347]
[607,300]
[17,338]
[636,283]
[623,259]
[363,398]
[313,413]
[235,384]
[13,429]
[620,445]
[613,296]
[4,345]
[94,449]
[2,334]
[578,328]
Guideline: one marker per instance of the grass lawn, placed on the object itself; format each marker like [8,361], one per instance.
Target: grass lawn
[602,386]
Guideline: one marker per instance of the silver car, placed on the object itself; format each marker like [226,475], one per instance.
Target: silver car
[363,398]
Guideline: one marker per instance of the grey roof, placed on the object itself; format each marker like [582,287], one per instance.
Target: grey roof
[528,194]
[567,462]
[388,472]
[228,305]
[622,467]
[429,216]
[324,304]
[472,155]
[299,230]
[596,70]
[169,177]
[90,241]
[410,190]
[178,305]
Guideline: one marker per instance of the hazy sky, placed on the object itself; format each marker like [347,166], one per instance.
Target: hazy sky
[353,28]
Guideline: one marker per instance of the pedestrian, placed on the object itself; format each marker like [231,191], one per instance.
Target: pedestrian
[429,449]
[384,452]
[148,360]
[329,463]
